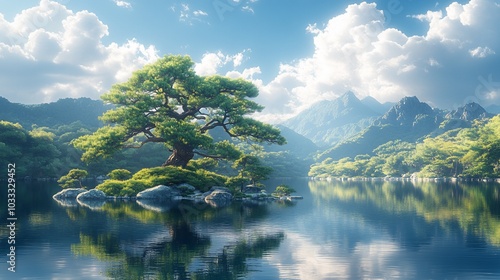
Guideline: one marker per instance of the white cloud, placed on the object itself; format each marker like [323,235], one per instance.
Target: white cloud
[123,4]
[356,51]
[481,52]
[51,52]
[187,15]
[212,63]
[248,9]
[200,13]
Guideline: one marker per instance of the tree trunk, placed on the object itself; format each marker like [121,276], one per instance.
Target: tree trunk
[180,156]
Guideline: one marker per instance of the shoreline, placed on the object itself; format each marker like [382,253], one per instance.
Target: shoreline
[407,179]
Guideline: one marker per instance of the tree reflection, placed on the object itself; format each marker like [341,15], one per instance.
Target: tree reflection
[180,251]
[474,207]
[232,262]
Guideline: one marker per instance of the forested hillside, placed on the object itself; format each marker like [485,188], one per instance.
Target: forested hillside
[459,152]
[38,139]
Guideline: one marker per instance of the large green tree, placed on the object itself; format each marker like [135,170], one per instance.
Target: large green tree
[167,102]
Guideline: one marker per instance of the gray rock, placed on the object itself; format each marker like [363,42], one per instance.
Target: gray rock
[214,188]
[71,193]
[185,188]
[219,195]
[92,195]
[251,189]
[160,192]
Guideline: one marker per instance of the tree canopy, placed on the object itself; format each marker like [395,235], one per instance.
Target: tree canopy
[166,102]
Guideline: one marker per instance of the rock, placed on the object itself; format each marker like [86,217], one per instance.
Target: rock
[250,189]
[92,195]
[219,198]
[160,192]
[68,193]
[185,188]
[214,188]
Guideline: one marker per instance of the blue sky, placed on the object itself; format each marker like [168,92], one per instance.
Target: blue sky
[296,52]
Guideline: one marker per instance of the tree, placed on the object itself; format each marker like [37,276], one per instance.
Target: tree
[283,190]
[166,102]
[73,178]
[250,167]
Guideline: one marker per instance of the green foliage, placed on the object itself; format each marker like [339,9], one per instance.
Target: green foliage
[471,152]
[120,174]
[73,179]
[251,167]
[34,153]
[283,190]
[168,175]
[166,102]
[129,187]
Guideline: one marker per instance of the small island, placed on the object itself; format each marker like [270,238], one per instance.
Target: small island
[167,102]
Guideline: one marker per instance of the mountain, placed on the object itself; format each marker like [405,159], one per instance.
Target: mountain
[469,112]
[330,122]
[297,144]
[376,106]
[63,111]
[409,120]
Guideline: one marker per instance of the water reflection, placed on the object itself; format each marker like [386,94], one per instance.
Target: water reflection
[176,249]
[474,208]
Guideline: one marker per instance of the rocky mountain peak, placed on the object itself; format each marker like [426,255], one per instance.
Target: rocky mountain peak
[468,112]
[406,111]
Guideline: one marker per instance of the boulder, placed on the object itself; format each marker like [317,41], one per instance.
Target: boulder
[250,189]
[214,188]
[71,193]
[185,188]
[219,198]
[92,194]
[160,192]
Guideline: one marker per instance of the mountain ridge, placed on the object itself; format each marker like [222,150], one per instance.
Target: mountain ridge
[329,122]
[408,120]
[61,112]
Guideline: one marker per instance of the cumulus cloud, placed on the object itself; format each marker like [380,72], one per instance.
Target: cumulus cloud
[357,51]
[50,52]
[213,62]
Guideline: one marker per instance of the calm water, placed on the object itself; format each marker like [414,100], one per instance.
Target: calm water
[353,230]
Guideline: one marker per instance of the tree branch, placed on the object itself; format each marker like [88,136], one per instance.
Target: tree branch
[148,140]
[209,156]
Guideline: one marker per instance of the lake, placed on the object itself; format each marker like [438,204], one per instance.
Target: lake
[340,230]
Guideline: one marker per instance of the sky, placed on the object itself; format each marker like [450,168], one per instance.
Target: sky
[296,52]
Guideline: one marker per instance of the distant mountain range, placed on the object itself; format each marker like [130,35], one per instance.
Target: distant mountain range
[63,111]
[330,122]
[347,126]
[344,127]
[86,111]
[409,120]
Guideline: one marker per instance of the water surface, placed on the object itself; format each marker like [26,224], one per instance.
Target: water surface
[340,230]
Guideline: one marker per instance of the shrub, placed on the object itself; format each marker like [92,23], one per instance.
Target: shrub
[282,190]
[120,174]
[111,187]
[170,175]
